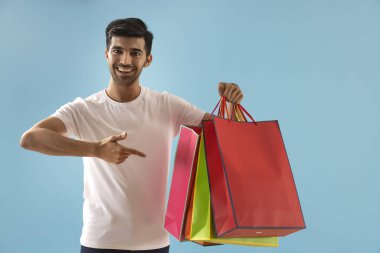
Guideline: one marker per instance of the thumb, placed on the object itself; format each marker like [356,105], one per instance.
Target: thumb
[119,137]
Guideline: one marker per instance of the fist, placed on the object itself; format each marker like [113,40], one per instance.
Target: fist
[231,91]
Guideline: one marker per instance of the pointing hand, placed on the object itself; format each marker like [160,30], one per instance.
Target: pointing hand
[111,151]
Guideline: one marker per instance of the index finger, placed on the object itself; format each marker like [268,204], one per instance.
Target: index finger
[133,151]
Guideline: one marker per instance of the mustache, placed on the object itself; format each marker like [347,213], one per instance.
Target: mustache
[124,66]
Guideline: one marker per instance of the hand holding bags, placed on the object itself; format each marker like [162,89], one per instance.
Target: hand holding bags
[251,185]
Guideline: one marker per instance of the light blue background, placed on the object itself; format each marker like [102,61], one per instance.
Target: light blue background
[313,65]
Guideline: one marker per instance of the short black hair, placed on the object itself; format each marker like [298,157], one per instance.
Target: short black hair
[129,27]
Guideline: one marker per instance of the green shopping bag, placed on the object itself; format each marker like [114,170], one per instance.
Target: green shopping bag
[202,227]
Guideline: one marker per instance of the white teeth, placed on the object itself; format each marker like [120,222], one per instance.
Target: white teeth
[124,70]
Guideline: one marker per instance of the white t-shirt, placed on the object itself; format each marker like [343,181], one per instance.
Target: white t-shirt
[124,205]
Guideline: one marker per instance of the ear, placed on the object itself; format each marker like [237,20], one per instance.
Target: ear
[106,53]
[148,60]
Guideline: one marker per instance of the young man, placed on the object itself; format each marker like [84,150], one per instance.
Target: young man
[124,134]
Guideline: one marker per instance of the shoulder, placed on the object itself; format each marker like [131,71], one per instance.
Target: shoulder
[160,97]
[80,104]
[95,98]
[165,95]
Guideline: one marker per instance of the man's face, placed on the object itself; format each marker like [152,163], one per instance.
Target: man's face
[126,59]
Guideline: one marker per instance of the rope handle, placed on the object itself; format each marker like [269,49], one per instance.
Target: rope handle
[238,110]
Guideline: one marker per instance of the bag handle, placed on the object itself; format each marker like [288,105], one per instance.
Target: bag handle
[238,110]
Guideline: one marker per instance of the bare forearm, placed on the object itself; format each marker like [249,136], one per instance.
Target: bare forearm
[51,143]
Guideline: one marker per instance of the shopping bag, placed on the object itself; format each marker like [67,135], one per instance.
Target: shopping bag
[252,189]
[202,227]
[189,215]
[181,184]
[181,190]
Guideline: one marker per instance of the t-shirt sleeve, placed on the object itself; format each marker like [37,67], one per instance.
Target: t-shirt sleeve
[184,113]
[71,114]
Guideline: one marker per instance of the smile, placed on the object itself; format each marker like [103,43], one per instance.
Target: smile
[124,70]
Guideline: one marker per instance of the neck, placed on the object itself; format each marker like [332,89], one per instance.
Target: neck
[123,93]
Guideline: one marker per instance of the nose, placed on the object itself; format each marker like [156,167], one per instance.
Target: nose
[125,59]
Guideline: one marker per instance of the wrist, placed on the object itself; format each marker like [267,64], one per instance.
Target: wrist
[94,149]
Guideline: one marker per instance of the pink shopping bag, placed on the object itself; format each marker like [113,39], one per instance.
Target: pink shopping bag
[183,173]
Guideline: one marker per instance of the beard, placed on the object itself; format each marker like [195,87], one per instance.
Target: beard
[125,80]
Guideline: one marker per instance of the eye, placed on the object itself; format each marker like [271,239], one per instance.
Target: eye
[136,53]
[116,51]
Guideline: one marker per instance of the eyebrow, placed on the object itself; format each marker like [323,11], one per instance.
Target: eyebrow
[136,49]
[132,49]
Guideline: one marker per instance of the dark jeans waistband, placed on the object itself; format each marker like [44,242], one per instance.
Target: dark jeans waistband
[84,249]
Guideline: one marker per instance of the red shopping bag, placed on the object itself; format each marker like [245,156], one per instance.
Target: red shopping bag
[182,179]
[252,189]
